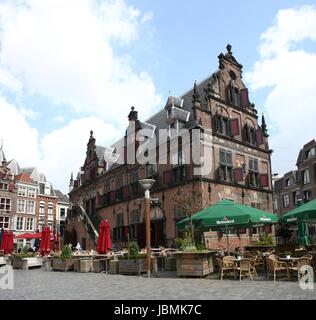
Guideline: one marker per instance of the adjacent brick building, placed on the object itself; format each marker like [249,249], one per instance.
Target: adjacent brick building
[240,170]
[8,194]
[298,186]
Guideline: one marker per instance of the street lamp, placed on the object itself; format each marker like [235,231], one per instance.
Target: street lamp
[147,184]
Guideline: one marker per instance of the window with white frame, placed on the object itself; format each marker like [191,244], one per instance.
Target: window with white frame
[19,223]
[50,209]
[22,191]
[5,204]
[31,193]
[31,206]
[42,209]
[275,204]
[50,224]
[62,212]
[306,177]
[3,186]
[286,200]
[4,223]
[21,205]
[30,224]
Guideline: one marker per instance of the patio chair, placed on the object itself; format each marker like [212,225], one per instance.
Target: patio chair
[296,266]
[260,263]
[253,269]
[245,268]
[248,255]
[274,267]
[226,267]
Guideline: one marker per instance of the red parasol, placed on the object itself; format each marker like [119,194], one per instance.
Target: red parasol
[104,241]
[7,242]
[45,241]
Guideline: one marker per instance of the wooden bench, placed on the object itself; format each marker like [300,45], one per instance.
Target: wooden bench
[31,262]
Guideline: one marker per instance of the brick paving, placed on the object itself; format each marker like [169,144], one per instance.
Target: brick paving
[38,284]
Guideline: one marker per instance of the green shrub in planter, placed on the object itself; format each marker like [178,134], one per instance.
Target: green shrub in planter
[66,253]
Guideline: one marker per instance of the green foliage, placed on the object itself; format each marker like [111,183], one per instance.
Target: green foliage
[133,250]
[25,250]
[25,255]
[66,253]
[265,240]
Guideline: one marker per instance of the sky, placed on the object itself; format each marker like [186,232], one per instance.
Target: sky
[69,66]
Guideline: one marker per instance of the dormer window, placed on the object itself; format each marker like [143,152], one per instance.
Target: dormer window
[234,94]
[310,153]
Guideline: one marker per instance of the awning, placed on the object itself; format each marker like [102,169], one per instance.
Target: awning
[29,236]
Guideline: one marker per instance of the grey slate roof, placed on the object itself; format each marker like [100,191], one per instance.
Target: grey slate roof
[278,185]
[61,197]
[14,167]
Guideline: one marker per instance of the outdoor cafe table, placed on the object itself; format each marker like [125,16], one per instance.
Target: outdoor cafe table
[288,261]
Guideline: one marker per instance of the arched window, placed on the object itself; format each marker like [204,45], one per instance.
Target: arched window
[234,94]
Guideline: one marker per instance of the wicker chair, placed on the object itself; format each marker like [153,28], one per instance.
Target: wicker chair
[245,268]
[296,266]
[274,267]
[226,266]
[253,263]
[248,255]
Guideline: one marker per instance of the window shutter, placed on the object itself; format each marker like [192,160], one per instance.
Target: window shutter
[167,177]
[126,232]
[11,187]
[244,98]
[125,192]
[112,196]
[238,175]
[259,137]
[264,180]
[100,200]
[234,127]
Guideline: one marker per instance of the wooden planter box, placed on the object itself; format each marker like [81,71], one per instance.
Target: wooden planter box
[63,265]
[114,267]
[85,266]
[77,265]
[26,263]
[195,264]
[132,267]
[170,264]
[99,265]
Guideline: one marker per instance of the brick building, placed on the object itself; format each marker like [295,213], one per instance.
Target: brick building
[240,170]
[24,219]
[8,194]
[298,186]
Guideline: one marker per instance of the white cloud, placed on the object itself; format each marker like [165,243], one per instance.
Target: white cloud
[20,140]
[64,50]
[57,153]
[289,73]
[63,150]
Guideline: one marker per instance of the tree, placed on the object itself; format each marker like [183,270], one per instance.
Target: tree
[189,204]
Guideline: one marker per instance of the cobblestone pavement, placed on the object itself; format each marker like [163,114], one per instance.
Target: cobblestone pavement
[38,284]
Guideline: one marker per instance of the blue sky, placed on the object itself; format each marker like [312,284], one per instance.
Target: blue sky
[67,67]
